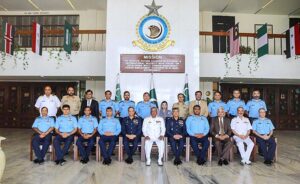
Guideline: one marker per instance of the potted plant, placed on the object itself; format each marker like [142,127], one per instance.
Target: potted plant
[75,46]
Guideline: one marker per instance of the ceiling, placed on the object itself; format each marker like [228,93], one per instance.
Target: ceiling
[276,7]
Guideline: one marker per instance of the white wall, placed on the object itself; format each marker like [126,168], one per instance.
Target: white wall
[98,88]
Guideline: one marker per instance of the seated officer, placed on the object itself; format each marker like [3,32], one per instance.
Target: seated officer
[43,127]
[263,129]
[65,128]
[87,127]
[197,128]
[109,128]
[131,131]
[176,132]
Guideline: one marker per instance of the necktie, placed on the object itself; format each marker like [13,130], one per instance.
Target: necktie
[221,124]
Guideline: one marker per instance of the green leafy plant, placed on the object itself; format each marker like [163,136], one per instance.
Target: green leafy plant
[75,46]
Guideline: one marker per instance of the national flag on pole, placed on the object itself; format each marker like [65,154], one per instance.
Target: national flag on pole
[118,96]
[234,39]
[186,92]
[37,38]
[153,92]
[68,37]
[8,33]
[262,36]
[293,41]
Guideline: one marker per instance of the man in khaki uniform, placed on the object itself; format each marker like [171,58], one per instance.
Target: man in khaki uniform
[71,100]
[198,101]
[183,108]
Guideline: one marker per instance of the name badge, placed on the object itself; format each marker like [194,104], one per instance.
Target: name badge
[158,121]
[135,121]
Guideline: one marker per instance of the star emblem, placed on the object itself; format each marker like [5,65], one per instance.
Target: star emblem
[153,8]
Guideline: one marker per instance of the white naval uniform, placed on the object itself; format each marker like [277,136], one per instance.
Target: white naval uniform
[241,126]
[51,102]
[154,128]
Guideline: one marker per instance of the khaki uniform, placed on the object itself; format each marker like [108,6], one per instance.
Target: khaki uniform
[183,109]
[73,102]
[203,105]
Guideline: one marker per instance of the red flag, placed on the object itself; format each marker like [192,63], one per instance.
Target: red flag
[297,39]
[37,38]
[234,40]
[8,38]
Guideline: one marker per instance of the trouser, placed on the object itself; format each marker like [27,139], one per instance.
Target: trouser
[112,140]
[130,150]
[223,148]
[267,147]
[148,146]
[240,144]
[57,142]
[200,153]
[45,142]
[177,146]
[85,151]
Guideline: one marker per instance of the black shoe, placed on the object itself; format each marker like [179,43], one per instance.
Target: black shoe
[225,162]
[109,160]
[202,162]
[104,162]
[175,161]
[36,161]
[220,163]
[128,160]
[81,160]
[62,162]
[199,161]
[179,162]
[57,162]
[41,161]
[268,162]
[131,160]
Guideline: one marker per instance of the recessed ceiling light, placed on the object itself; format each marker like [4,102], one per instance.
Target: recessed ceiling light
[3,8]
[71,4]
[34,5]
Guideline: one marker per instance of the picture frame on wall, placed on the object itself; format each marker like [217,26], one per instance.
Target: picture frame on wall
[269,27]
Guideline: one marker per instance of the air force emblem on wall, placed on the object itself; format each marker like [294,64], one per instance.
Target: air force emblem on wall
[153,31]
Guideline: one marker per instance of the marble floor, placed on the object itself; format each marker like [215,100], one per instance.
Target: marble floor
[20,170]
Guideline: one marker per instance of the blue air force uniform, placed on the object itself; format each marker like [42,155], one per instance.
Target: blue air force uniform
[214,106]
[198,125]
[233,105]
[176,127]
[64,124]
[87,125]
[264,127]
[43,124]
[143,109]
[108,125]
[131,127]
[103,104]
[123,107]
[253,107]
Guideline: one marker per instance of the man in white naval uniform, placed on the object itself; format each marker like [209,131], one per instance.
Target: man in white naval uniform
[154,130]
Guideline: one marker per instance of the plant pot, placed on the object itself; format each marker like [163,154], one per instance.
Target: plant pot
[2,159]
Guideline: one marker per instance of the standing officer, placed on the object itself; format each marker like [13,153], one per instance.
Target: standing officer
[216,104]
[234,103]
[109,129]
[90,102]
[199,101]
[87,127]
[176,133]
[107,102]
[263,129]
[221,131]
[241,128]
[143,108]
[154,130]
[48,100]
[65,128]
[124,105]
[254,105]
[43,126]
[131,131]
[72,100]
[183,108]
[197,128]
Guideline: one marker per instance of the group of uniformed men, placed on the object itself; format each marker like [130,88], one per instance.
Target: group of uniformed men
[223,121]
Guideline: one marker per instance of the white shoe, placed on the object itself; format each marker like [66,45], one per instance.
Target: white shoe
[148,162]
[243,162]
[160,163]
[248,162]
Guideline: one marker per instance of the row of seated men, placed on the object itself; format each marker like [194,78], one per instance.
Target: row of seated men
[154,129]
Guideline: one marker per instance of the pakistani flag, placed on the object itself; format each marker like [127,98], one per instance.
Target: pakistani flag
[186,90]
[262,36]
[118,96]
[152,92]
[68,37]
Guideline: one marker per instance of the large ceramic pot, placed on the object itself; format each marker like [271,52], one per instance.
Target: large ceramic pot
[2,159]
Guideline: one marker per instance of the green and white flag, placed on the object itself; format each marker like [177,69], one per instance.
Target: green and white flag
[68,37]
[153,92]
[118,96]
[262,36]
[186,90]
